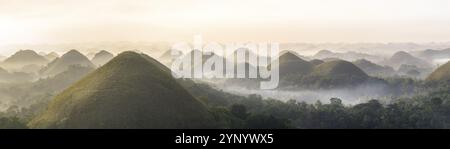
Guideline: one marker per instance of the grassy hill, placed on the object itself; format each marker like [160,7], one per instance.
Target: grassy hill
[316,62]
[128,92]
[291,64]
[348,56]
[402,57]
[440,74]
[338,68]
[59,65]
[3,72]
[23,58]
[374,69]
[334,74]
[102,58]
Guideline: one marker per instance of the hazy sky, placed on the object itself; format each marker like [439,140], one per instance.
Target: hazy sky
[63,21]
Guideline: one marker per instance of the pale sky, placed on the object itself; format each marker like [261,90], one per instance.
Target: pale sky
[68,21]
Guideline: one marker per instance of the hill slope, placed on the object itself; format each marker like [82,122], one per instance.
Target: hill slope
[348,56]
[23,58]
[59,65]
[374,69]
[402,57]
[128,92]
[102,57]
[339,67]
[336,74]
[440,74]
[291,64]
[316,62]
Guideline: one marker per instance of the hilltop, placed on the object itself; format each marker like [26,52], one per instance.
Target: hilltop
[102,58]
[23,58]
[374,69]
[402,57]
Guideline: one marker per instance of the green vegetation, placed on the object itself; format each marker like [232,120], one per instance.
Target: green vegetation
[329,74]
[12,123]
[428,111]
[429,108]
[29,99]
[128,92]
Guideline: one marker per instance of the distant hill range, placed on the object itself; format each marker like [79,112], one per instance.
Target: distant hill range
[296,72]
[166,56]
[336,74]
[131,91]
[402,57]
[51,56]
[373,69]
[102,58]
[23,58]
[348,56]
[73,57]
[434,54]
[327,75]
[291,64]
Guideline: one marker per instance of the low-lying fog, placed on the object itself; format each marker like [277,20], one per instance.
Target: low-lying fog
[440,61]
[360,94]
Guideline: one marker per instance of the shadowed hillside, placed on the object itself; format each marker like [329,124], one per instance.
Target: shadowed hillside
[334,74]
[51,56]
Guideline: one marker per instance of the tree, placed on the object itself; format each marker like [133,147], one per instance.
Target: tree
[436,101]
[335,101]
[11,123]
[239,111]
[261,121]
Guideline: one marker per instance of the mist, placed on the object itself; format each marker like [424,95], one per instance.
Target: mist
[349,96]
